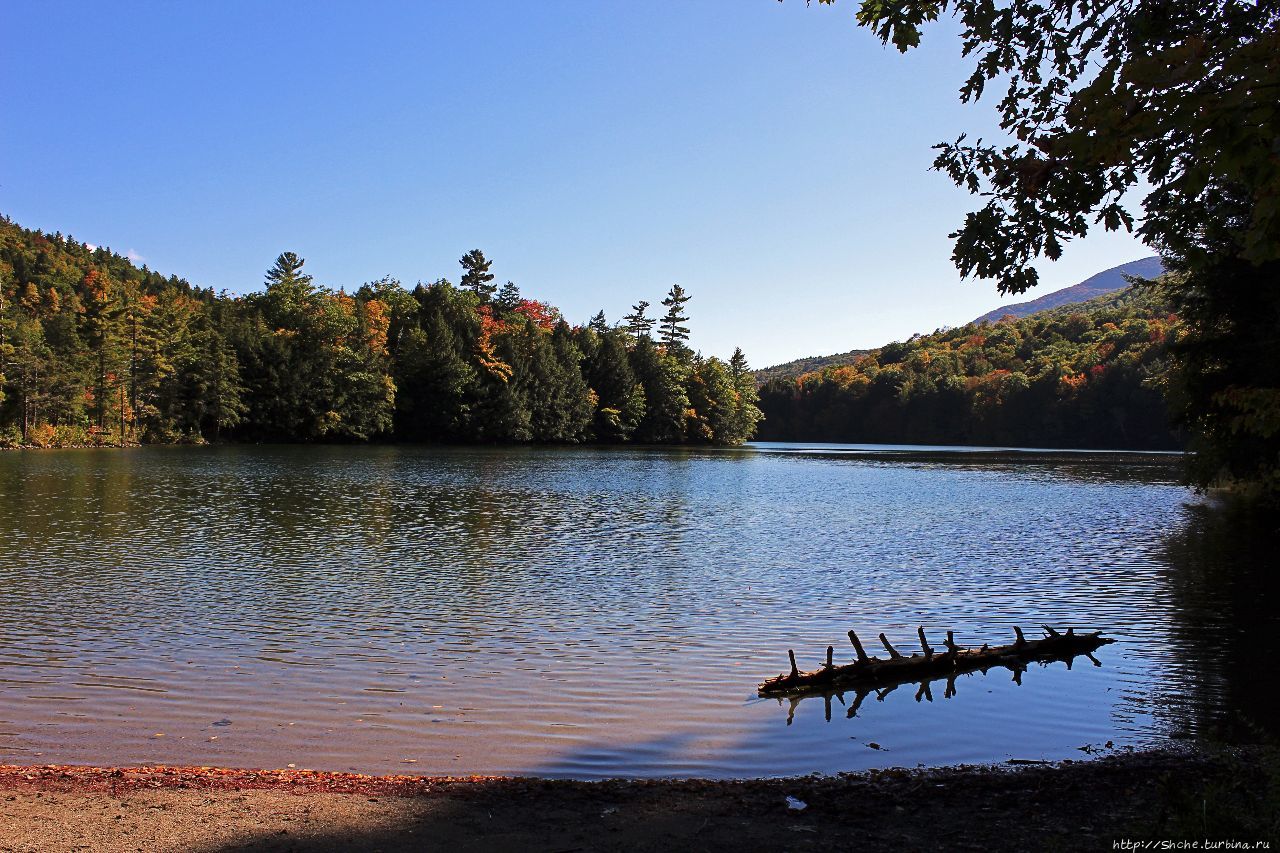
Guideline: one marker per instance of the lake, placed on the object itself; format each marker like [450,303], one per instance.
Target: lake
[599,612]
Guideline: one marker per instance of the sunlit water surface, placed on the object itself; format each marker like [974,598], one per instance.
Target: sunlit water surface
[582,612]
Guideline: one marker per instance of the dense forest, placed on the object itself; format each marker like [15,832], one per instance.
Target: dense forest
[95,350]
[1087,375]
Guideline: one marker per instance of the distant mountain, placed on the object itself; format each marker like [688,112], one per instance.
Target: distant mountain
[1108,282]
[1103,283]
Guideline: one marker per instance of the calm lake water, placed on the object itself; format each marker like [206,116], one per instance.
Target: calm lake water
[602,612]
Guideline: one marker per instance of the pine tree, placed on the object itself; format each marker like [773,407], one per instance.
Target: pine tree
[542,385]
[476,276]
[30,367]
[666,401]
[361,397]
[574,397]
[163,352]
[287,270]
[104,333]
[221,393]
[284,360]
[637,323]
[290,298]
[433,381]
[509,298]
[610,376]
[724,397]
[598,323]
[746,411]
[6,347]
[674,334]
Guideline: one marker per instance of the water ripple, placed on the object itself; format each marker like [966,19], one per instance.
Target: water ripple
[585,613]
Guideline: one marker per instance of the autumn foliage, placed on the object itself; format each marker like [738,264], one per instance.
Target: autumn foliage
[1080,376]
[96,351]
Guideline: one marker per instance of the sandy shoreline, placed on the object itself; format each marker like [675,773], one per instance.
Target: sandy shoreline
[1070,806]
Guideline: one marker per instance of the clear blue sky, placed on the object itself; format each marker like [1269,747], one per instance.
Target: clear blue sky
[771,158]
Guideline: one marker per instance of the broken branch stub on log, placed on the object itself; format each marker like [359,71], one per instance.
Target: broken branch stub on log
[898,669]
[857,647]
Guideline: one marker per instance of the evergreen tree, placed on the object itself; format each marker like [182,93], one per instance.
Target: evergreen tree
[598,323]
[509,298]
[216,390]
[573,396]
[30,371]
[315,375]
[638,324]
[674,333]
[746,410]
[476,276]
[619,397]
[663,379]
[545,387]
[511,369]
[433,381]
[282,355]
[287,272]
[290,298]
[7,325]
[104,334]
[163,349]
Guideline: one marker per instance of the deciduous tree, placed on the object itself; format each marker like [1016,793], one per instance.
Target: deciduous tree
[1173,102]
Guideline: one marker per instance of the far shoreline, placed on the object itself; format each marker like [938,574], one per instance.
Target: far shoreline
[771,445]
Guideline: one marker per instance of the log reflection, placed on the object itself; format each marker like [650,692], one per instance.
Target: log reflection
[924,686]
[900,669]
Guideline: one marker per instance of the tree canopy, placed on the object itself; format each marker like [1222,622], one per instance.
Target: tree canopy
[1178,99]
[94,350]
[1089,375]
[1154,115]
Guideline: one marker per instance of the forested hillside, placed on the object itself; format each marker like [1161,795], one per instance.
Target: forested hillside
[1101,284]
[1089,376]
[797,367]
[94,350]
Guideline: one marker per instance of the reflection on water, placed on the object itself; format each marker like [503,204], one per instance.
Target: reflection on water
[923,687]
[1226,622]
[588,612]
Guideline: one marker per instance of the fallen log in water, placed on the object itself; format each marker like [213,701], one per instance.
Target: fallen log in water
[929,663]
[924,686]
